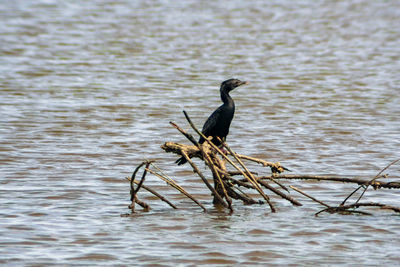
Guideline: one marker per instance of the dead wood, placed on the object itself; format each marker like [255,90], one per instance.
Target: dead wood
[256,185]
[173,184]
[134,192]
[152,191]
[369,182]
[247,182]
[191,151]
[344,179]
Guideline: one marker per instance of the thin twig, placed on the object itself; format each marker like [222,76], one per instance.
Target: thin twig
[132,190]
[279,184]
[162,198]
[196,170]
[216,174]
[341,210]
[266,185]
[367,184]
[279,193]
[172,183]
[236,156]
[376,177]
[245,198]
[310,197]
[374,204]
[139,185]
[249,174]
[374,184]
[188,136]
[346,208]
[277,167]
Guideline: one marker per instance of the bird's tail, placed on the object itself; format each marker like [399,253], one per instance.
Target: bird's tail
[181,161]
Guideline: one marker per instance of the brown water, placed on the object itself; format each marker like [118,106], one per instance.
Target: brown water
[88,89]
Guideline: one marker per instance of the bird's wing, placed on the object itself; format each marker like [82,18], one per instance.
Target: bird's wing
[211,123]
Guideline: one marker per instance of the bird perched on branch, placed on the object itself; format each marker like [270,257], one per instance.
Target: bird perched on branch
[217,125]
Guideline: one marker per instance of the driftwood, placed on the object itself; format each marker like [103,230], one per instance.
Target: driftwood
[232,179]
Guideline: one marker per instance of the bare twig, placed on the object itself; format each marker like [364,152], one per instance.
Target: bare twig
[233,173]
[237,157]
[133,191]
[249,174]
[162,198]
[187,135]
[172,183]
[196,170]
[276,167]
[365,186]
[350,208]
[216,174]
[341,210]
[245,198]
[374,184]
[373,204]
[376,177]
[310,197]
[279,193]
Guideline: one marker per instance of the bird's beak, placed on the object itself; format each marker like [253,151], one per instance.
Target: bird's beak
[244,83]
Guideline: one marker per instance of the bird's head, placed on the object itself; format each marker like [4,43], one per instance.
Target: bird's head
[231,84]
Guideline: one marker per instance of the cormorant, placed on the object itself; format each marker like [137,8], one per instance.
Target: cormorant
[217,125]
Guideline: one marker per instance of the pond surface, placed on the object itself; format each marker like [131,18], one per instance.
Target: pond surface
[87,90]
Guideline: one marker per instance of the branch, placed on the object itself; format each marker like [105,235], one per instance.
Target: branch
[275,167]
[210,164]
[133,191]
[172,183]
[374,184]
[196,170]
[310,197]
[155,193]
[375,178]
[188,136]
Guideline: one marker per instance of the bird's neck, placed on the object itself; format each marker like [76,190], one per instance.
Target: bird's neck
[227,99]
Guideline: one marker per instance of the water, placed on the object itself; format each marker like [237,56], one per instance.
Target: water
[88,89]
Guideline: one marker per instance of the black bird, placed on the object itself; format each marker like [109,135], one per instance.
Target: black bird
[217,125]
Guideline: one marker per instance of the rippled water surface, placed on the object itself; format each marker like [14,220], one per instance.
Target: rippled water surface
[88,89]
